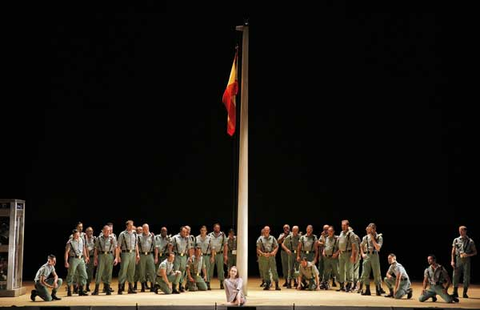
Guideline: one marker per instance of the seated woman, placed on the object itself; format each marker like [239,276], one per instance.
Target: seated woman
[234,288]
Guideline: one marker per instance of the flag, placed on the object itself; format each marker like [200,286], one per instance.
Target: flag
[229,97]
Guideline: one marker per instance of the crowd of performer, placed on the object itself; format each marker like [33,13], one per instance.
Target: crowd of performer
[173,264]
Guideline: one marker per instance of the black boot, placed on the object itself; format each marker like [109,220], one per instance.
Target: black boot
[262,284]
[33,295]
[267,286]
[120,291]
[295,283]
[390,294]
[455,292]
[174,289]
[434,298]
[108,289]
[135,285]
[348,287]
[360,287]
[69,290]
[465,290]
[277,288]
[146,285]
[367,290]
[208,286]
[55,297]
[342,288]
[289,283]
[88,288]
[221,285]
[181,289]
[380,289]
[377,290]
[143,287]
[130,289]
[152,287]
[75,289]
[409,293]
[285,284]
[95,291]
[81,292]
[334,284]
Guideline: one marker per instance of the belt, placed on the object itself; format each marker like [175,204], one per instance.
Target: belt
[181,254]
[146,253]
[372,252]
[206,254]
[219,252]
[128,251]
[77,256]
[329,255]
[106,252]
[346,251]
[306,252]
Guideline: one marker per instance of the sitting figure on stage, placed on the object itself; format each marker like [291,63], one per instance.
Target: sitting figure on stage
[436,275]
[308,272]
[195,269]
[397,279]
[234,288]
[42,282]
[167,278]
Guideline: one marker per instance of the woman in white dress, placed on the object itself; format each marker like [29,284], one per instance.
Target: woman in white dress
[234,288]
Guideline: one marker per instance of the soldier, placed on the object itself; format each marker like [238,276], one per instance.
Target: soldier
[104,259]
[308,272]
[43,281]
[262,232]
[79,227]
[146,245]
[357,283]
[290,246]
[397,279]
[203,241]
[195,270]
[167,277]
[219,253]
[307,247]
[75,252]
[283,253]
[127,245]
[191,241]
[437,277]
[346,259]
[267,247]
[330,257]
[320,246]
[370,247]
[110,225]
[231,249]
[138,231]
[463,248]
[179,246]
[162,242]
[90,240]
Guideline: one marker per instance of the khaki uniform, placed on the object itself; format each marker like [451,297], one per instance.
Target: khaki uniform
[161,244]
[195,266]
[462,265]
[218,244]
[46,270]
[146,245]
[76,262]
[308,273]
[180,247]
[172,275]
[330,264]
[283,256]
[371,262]
[345,270]
[308,247]
[127,241]
[405,284]
[436,278]
[206,245]
[232,252]
[90,244]
[291,242]
[106,254]
[268,264]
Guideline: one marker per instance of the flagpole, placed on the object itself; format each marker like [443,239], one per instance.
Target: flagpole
[242,215]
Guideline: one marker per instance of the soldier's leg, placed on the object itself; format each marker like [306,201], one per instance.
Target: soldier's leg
[284,260]
[90,271]
[100,269]
[262,261]
[457,272]
[42,292]
[82,272]
[402,289]
[334,269]
[321,266]
[208,266]
[163,286]
[72,270]
[440,291]
[142,269]
[367,267]
[342,259]
[356,270]
[211,268]
[201,285]
[122,274]
[389,282]
[131,267]
[272,265]
[219,263]
[466,275]
[150,269]
[376,269]
[327,270]
[427,294]
[108,269]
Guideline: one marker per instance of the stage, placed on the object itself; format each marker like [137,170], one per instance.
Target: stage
[284,299]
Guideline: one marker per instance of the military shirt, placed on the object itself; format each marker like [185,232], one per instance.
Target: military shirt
[191,241]
[437,276]
[90,243]
[398,268]
[232,245]
[167,266]
[308,242]
[218,241]
[291,242]
[196,265]
[345,240]
[44,271]
[146,243]
[76,247]
[308,271]
[463,245]
[367,243]
[267,245]
[162,243]
[127,240]
[179,244]
[106,244]
[331,245]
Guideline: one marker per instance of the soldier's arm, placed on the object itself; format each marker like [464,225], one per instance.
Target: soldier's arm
[163,274]
[375,244]
[447,277]
[453,256]
[274,252]
[354,249]
[424,284]
[259,252]
[474,251]
[55,278]
[44,282]
[299,248]
[397,281]
[285,248]
[189,275]
[67,249]
[95,256]
[225,251]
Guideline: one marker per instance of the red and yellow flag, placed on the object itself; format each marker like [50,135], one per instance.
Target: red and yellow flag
[229,97]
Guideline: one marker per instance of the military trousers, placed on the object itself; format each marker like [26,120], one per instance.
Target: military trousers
[462,266]
[42,290]
[345,267]
[146,268]
[76,264]
[104,268]
[127,267]
[434,290]
[402,287]
[173,278]
[268,264]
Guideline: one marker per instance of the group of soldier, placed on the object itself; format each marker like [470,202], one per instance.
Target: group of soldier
[173,264]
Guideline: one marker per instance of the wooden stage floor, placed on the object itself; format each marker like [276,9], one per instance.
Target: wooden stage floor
[256,297]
